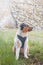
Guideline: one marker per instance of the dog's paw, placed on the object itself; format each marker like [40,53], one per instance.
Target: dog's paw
[17,58]
[26,56]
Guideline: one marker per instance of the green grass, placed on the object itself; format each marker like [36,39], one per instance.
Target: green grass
[8,58]
[37,33]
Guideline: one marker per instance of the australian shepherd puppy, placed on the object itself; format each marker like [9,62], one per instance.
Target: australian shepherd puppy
[21,40]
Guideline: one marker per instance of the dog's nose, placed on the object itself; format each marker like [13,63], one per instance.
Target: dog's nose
[30,28]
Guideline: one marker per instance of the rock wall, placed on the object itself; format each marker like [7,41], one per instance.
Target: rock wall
[30,11]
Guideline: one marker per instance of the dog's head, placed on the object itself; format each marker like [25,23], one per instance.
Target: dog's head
[26,26]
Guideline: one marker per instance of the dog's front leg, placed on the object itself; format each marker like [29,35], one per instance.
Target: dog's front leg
[25,53]
[25,50]
[17,53]
[18,50]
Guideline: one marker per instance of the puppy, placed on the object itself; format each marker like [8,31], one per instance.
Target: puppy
[21,40]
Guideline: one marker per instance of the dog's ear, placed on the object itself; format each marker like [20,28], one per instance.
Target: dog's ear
[21,27]
[30,28]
